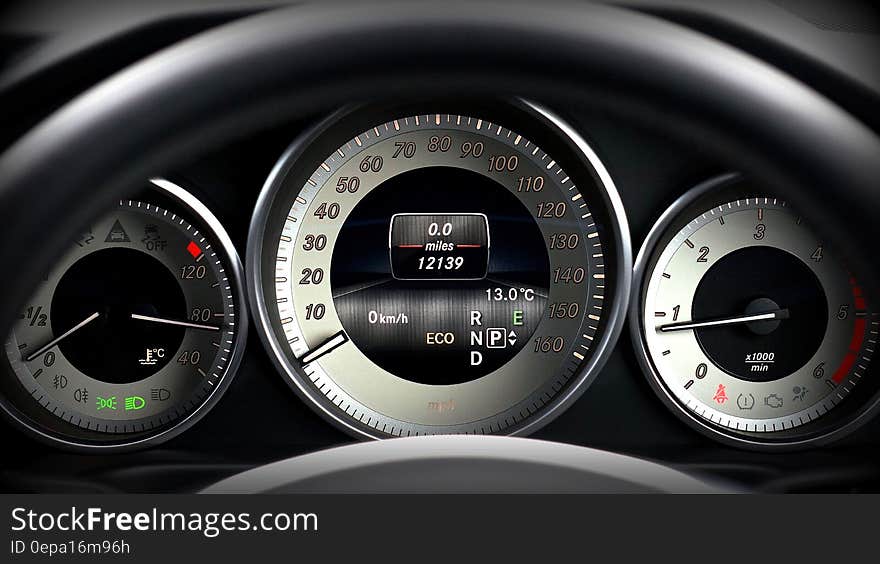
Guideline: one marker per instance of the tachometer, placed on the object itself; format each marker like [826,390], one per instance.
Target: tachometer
[439,272]
[750,324]
[135,331]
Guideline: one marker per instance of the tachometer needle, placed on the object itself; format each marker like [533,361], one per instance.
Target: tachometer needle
[327,346]
[140,317]
[717,322]
[61,337]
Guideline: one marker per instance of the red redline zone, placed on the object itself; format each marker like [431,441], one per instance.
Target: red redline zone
[857,339]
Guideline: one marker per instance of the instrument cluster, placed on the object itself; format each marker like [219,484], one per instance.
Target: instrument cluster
[440,268]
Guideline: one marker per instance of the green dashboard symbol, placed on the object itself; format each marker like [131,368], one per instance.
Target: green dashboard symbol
[106,403]
[133,403]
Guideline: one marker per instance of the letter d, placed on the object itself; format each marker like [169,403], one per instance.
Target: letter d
[476,358]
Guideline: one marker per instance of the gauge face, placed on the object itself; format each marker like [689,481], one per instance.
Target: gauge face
[438,273]
[133,329]
[750,321]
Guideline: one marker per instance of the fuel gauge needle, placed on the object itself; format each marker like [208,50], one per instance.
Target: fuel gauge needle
[327,346]
[61,337]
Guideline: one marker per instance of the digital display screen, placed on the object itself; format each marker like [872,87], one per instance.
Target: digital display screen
[439,246]
[417,288]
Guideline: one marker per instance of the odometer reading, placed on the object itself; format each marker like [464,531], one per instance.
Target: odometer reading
[446,246]
[437,274]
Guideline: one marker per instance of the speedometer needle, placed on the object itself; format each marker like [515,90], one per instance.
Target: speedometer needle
[61,337]
[720,321]
[329,345]
[174,322]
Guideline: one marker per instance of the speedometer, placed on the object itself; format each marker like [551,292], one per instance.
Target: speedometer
[439,272]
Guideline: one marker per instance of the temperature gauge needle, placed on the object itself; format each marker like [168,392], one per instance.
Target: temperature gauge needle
[717,322]
[61,337]
[140,317]
[327,346]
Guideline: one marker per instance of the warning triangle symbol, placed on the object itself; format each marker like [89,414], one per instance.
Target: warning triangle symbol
[117,234]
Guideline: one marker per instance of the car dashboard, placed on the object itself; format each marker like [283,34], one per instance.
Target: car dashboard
[453,264]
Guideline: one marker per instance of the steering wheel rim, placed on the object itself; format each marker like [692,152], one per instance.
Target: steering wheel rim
[464,464]
[300,60]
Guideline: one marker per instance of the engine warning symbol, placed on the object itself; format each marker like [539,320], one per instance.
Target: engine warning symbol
[774,401]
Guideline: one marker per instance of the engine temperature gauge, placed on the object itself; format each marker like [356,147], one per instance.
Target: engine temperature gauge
[134,330]
[750,323]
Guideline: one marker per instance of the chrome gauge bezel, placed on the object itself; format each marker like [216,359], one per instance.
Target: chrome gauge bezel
[854,410]
[39,424]
[308,152]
